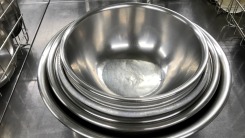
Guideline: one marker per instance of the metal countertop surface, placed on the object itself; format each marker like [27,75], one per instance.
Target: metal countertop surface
[28,117]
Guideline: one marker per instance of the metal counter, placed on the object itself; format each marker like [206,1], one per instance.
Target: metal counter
[27,116]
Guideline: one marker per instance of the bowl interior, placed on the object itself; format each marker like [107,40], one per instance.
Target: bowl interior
[133,51]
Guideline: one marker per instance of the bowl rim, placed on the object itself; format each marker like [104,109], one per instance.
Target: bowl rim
[172,92]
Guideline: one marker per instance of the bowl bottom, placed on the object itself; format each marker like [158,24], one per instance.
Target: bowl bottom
[130,77]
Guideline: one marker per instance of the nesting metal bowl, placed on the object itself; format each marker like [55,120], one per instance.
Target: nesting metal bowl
[126,53]
[89,106]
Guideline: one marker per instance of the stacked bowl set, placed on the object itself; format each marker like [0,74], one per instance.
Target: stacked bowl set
[131,70]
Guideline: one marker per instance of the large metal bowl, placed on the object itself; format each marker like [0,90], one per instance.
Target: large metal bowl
[161,118]
[6,54]
[184,129]
[134,51]
[69,90]
[134,111]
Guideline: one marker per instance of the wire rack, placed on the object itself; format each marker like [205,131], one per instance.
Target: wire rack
[234,18]
[19,40]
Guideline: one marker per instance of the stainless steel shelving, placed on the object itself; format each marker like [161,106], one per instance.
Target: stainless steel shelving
[235,11]
[20,40]
[22,43]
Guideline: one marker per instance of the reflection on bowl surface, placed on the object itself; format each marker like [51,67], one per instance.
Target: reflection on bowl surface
[132,51]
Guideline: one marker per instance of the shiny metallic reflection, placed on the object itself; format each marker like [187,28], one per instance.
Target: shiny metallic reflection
[120,46]
[129,35]
[87,5]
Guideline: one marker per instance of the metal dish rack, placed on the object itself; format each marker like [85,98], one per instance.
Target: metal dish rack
[234,18]
[21,45]
[19,41]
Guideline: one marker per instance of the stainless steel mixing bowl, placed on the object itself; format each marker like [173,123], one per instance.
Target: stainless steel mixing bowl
[6,54]
[57,91]
[184,129]
[84,102]
[76,96]
[138,111]
[134,52]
